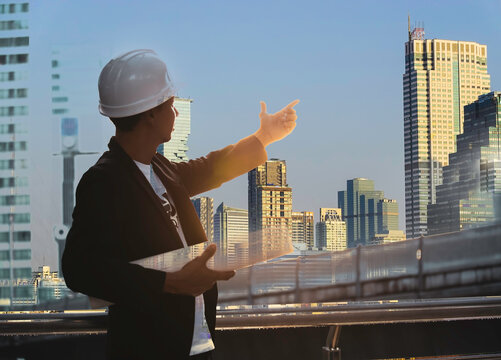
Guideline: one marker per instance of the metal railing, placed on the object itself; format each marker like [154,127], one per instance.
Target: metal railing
[239,317]
[429,266]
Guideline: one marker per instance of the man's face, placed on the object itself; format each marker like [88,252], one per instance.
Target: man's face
[165,116]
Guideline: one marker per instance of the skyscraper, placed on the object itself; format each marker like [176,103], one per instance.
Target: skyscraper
[473,177]
[441,77]
[302,228]
[231,234]
[177,148]
[15,198]
[205,208]
[331,230]
[270,208]
[366,211]
[388,211]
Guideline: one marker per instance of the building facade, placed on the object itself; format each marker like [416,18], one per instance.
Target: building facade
[204,207]
[387,237]
[270,209]
[331,230]
[303,229]
[47,285]
[366,211]
[231,234]
[15,198]
[473,177]
[177,148]
[441,77]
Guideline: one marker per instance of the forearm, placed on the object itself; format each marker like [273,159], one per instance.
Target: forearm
[263,137]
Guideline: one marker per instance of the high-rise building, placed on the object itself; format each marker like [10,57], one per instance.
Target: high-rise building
[441,77]
[473,177]
[15,198]
[302,228]
[231,234]
[331,230]
[366,211]
[270,209]
[388,211]
[177,148]
[205,208]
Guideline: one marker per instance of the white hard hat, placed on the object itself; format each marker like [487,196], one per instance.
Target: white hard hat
[132,83]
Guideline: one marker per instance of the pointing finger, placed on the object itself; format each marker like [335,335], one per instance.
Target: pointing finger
[292,104]
[263,106]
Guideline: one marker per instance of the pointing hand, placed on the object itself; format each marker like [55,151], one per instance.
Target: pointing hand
[276,126]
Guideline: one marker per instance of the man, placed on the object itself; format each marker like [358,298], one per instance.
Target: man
[134,203]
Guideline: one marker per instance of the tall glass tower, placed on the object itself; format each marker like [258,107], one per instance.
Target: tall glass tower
[177,148]
[366,211]
[473,176]
[441,77]
[15,210]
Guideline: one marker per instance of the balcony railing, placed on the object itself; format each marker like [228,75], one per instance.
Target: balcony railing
[466,263]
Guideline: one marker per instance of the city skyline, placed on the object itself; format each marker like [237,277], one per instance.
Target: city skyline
[226,86]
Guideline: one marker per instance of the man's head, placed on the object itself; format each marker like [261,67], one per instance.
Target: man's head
[134,87]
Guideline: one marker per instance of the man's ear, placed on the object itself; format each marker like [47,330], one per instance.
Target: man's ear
[150,116]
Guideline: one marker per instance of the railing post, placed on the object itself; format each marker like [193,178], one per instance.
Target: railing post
[419,257]
[250,298]
[297,292]
[331,351]
[358,285]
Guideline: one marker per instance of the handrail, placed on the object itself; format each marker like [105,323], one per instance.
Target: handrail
[272,316]
[417,258]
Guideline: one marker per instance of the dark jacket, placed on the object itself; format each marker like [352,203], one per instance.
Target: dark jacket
[118,218]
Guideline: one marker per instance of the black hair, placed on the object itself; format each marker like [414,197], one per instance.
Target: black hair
[128,123]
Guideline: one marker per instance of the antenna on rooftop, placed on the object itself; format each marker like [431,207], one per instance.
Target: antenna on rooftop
[409,25]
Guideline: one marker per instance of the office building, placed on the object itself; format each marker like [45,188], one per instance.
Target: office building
[331,230]
[326,213]
[204,207]
[270,209]
[388,215]
[302,228]
[441,77]
[366,211]
[47,285]
[473,177]
[387,237]
[177,148]
[15,197]
[231,234]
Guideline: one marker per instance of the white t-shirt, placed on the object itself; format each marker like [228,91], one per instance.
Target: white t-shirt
[202,341]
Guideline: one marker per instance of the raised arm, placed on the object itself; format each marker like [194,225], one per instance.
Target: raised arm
[210,171]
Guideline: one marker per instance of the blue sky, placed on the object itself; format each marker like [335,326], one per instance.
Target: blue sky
[343,60]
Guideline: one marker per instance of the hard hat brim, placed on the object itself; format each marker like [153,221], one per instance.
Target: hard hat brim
[137,107]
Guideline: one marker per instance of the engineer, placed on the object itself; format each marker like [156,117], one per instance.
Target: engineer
[134,203]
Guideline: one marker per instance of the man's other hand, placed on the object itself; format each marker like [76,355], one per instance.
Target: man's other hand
[276,126]
[195,278]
